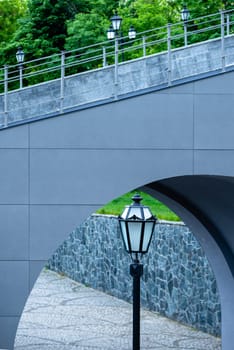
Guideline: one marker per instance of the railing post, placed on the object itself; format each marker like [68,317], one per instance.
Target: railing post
[104,56]
[116,65]
[169,53]
[5,95]
[185,33]
[144,45]
[21,75]
[62,80]
[222,40]
[228,24]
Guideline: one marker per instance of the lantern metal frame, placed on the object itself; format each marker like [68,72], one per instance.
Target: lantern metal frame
[132,33]
[137,225]
[185,14]
[110,33]
[116,21]
[20,55]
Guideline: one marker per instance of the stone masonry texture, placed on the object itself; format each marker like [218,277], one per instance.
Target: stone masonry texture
[177,282]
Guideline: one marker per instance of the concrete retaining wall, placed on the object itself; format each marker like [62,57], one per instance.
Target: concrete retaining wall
[178,281]
[100,85]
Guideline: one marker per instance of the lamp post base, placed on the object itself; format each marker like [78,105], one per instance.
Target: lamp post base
[136,271]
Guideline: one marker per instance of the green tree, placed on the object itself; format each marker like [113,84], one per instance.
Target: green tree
[148,14]
[43,30]
[10,12]
[47,23]
[90,27]
[87,29]
[228,4]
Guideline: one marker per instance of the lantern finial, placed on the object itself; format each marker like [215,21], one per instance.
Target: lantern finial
[137,198]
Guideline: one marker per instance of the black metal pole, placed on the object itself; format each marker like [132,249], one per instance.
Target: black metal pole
[136,271]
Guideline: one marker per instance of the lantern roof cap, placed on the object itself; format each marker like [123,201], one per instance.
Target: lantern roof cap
[137,199]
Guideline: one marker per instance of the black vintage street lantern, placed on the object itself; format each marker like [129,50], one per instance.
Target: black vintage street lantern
[110,33]
[20,55]
[185,14]
[116,21]
[132,33]
[137,226]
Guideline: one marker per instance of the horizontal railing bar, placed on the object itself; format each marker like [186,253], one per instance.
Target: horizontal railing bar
[138,34]
[35,60]
[198,31]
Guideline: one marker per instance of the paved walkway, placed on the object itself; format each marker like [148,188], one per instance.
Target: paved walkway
[64,315]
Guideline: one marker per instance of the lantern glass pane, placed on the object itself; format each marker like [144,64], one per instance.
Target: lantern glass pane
[124,234]
[147,213]
[116,23]
[185,14]
[135,211]
[125,213]
[147,235]
[110,34]
[132,33]
[134,229]
[20,56]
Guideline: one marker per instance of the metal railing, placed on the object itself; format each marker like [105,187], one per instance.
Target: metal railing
[115,52]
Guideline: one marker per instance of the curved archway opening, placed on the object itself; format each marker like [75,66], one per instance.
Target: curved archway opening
[194,199]
[205,203]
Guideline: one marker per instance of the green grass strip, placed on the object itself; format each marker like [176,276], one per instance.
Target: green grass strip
[116,206]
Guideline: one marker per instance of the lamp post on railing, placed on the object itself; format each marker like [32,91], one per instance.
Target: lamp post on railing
[114,29]
[137,226]
[184,17]
[20,60]
[113,33]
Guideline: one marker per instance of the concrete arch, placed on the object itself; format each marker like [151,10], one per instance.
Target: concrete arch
[56,171]
[205,203]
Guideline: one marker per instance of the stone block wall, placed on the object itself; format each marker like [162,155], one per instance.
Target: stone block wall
[177,282]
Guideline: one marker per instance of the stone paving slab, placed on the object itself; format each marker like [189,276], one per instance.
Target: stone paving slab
[64,315]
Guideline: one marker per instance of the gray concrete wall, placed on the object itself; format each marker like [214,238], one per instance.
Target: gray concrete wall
[55,172]
[100,85]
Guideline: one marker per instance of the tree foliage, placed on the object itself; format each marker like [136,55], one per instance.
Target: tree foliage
[44,27]
[48,20]
[90,27]
[10,12]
